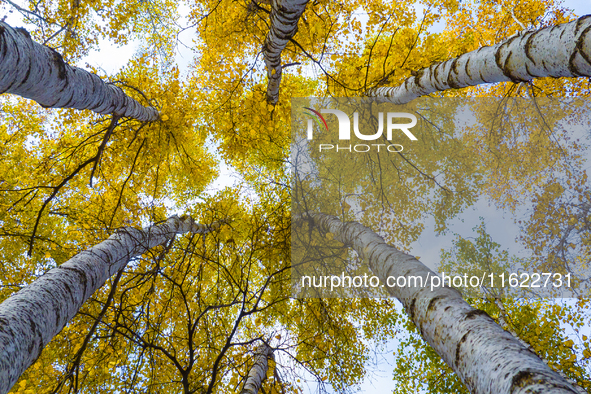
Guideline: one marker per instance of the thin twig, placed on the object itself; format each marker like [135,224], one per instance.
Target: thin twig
[101,148]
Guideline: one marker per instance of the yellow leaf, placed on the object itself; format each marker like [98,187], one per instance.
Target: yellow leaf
[572,221]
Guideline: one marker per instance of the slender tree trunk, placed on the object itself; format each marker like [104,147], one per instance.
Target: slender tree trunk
[37,72]
[558,51]
[285,15]
[30,318]
[258,372]
[488,359]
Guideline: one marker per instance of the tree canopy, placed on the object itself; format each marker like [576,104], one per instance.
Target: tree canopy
[198,313]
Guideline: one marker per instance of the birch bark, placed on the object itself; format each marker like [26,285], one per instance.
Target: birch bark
[30,318]
[285,15]
[558,51]
[258,372]
[488,359]
[37,72]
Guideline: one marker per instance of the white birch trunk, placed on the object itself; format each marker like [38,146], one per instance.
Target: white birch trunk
[30,318]
[285,15]
[258,372]
[37,72]
[558,51]
[488,359]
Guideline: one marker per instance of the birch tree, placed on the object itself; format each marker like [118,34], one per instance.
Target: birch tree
[558,51]
[284,24]
[202,304]
[258,371]
[487,358]
[535,322]
[507,63]
[38,72]
[34,315]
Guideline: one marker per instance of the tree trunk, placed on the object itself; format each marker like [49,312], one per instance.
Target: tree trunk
[558,51]
[37,72]
[258,372]
[30,318]
[488,359]
[285,15]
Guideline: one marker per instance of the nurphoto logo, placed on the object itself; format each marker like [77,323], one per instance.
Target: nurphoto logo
[345,129]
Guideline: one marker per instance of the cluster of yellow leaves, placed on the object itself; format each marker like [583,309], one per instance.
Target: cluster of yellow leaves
[178,311]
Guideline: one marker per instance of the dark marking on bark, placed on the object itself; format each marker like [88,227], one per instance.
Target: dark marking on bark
[69,289]
[439,70]
[447,308]
[407,83]
[458,346]
[503,65]
[431,305]
[521,379]
[31,348]
[467,69]
[26,77]
[481,77]
[411,309]
[581,42]
[579,49]
[580,22]
[528,45]
[81,274]
[473,314]
[420,326]
[23,31]
[59,62]
[3,46]
[36,335]
[69,102]
[3,323]
[57,317]
[451,77]
[418,77]
[571,65]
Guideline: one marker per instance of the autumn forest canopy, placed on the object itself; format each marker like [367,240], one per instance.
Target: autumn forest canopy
[205,298]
